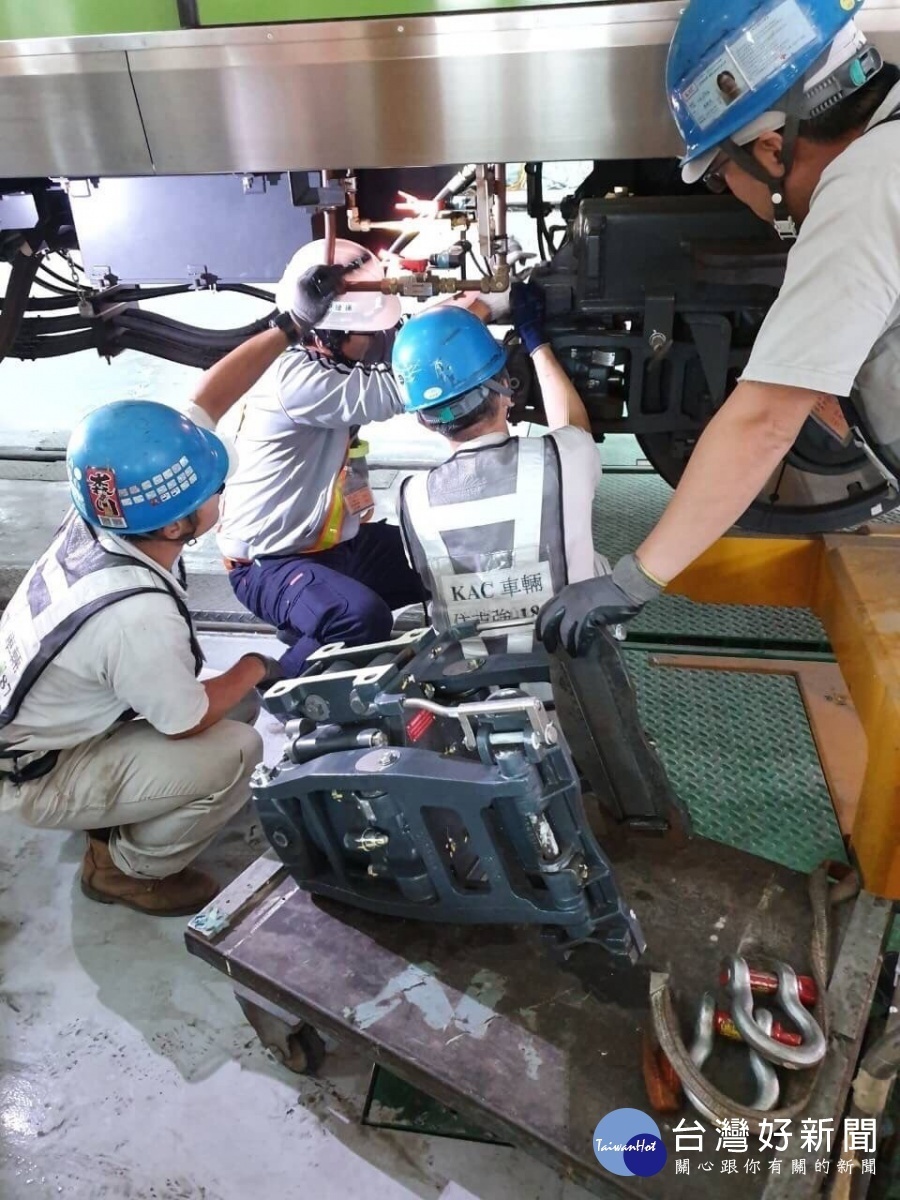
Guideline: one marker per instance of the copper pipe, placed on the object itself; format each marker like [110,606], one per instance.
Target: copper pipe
[330,224]
[500,211]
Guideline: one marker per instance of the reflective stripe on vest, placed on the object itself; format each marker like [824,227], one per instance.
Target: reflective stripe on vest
[497,557]
[73,580]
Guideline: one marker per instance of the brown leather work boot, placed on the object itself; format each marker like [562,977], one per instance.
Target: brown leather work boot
[179,895]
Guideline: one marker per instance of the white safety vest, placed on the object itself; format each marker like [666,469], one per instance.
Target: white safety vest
[485,530]
[73,580]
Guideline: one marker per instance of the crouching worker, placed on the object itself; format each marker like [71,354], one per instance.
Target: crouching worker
[505,522]
[104,726]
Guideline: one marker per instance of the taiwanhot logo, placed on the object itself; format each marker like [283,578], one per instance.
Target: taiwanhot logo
[628,1142]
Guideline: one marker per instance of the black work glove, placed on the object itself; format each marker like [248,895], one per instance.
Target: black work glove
[527,312]
[315,290]
[607,600]
[274,673]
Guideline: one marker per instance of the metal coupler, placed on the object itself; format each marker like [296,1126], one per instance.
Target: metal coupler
[418,787]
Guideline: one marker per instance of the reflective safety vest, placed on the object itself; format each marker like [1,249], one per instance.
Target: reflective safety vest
[485,529]
[72,581]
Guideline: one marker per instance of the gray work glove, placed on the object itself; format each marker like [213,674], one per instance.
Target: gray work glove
[274,673]
[606,600]
[315,290]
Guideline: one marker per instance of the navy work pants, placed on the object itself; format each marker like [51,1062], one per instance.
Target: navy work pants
[344,594]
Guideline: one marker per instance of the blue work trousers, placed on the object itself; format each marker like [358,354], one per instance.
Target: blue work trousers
[344,594]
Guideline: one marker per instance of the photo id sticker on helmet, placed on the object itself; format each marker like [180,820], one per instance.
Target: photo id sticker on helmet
[757,53]
[103,494]
[717,86]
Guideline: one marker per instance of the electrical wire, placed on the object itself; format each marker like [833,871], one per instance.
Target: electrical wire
[471,253]
[45,270]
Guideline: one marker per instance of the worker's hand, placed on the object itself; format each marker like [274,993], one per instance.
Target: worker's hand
[272,672]
[527,312]
[315,290]
[496,303]
[566,620]
[426,210]
[515,255]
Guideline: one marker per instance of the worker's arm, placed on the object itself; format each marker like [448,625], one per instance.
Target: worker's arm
[148,662]
[225,691]
[739,451]
[562,404]
[233,376]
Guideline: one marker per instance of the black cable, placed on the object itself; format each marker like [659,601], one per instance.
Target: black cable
[48,304]
[51,287]
[55,347]
[44,269]
[471,253]
[33,327]
[247,289]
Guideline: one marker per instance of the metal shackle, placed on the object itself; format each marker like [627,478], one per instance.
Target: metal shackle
[768,1088]
[793,1058]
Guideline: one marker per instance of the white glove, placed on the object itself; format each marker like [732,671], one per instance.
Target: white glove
[515,254]
[497,304]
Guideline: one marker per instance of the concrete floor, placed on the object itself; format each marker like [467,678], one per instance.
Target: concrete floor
[128,1071]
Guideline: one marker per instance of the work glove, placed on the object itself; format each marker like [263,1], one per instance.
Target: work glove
[497,304]
[527,312]
[566,620]
[516,256]
[315,290]
[274,673]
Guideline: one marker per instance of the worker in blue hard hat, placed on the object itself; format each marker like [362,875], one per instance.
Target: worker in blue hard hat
[809,139]
[298,543]
[505,522]
[104,725]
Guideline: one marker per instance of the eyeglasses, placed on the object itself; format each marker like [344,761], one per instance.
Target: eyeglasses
[714,177]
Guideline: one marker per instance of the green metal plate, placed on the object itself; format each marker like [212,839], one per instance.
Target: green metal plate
[241,12]
[70,18]
[740,753]
[76,18]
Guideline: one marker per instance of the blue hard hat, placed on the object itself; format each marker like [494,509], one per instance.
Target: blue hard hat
[443,354]
[731,61]
[135,466]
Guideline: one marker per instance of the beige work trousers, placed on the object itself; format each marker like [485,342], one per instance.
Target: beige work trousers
[166,799]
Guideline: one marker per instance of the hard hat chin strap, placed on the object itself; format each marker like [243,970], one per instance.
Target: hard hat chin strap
[784,223]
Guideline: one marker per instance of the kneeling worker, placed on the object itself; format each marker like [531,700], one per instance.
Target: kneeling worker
[104,726]
[505,522]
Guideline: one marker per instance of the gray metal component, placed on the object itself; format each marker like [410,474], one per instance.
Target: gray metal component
[585,82]
[68,113]
[452,840]
[794,1058]
[488,87]
[183,229]
[344,695]
[529,706]
[18,211]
